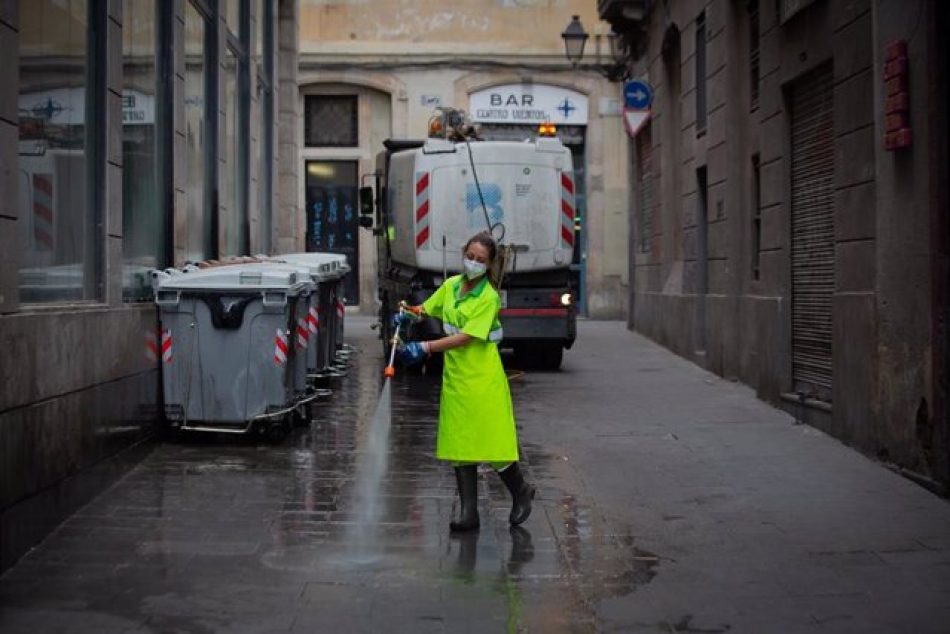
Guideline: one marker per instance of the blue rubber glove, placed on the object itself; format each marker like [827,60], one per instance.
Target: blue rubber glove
[403,318]
[413,353]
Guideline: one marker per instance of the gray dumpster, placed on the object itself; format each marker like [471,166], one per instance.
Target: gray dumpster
[323,274]
[228,344]
[340,308]
[330,305]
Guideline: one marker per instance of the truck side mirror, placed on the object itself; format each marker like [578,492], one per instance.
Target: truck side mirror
[366,203]
[366,222]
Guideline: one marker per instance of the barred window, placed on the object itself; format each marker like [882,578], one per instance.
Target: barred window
[331,121]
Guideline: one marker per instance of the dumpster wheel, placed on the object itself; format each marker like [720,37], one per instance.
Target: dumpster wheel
[276,429]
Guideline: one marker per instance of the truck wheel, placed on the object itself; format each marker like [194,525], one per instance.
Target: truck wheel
[551,356]
[539,356]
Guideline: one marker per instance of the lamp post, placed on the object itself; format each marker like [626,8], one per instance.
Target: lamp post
[575,37]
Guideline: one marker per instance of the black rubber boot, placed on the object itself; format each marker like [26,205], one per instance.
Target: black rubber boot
[467,480]
[521,493]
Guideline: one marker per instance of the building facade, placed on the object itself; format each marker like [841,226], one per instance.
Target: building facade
[789,221]
[375,70]
[136,134]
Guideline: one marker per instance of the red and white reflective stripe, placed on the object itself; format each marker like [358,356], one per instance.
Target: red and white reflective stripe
[166,346]
[303,334]
[280,348]
[340,309]
[151,346]
[43,233]
[313,320]
[422,210]
[567,211]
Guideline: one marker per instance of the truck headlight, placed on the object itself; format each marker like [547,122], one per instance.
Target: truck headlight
[566,299]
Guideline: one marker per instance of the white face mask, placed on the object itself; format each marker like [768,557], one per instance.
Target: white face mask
[473,269]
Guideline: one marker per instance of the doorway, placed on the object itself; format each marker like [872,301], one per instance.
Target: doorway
[332,218]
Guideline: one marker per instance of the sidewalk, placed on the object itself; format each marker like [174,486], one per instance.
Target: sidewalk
[670,501]
[761,525]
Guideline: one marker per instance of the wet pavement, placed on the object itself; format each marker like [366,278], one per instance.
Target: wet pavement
[218,534]
[669,501]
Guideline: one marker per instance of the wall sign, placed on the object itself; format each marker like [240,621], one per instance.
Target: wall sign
[67,106]
[528,104]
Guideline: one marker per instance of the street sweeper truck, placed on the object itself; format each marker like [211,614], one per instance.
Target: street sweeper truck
[432,195]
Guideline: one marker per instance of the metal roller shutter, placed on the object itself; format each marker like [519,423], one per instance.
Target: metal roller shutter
[813,246]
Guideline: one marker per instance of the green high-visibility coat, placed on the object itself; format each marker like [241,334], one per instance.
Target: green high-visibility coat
[476,420]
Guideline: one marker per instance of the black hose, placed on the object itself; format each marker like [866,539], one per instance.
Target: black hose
[481,198]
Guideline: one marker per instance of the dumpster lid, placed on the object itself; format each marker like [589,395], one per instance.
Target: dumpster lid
[334,265]
[241,278]
[320,268]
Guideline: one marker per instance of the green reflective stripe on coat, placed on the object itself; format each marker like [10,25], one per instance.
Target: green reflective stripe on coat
[476,419]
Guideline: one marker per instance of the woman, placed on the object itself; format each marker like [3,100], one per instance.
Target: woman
[476,422]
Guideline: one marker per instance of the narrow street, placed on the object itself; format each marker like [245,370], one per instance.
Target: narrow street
[669,501]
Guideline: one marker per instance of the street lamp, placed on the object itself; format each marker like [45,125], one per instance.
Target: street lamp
[575,37]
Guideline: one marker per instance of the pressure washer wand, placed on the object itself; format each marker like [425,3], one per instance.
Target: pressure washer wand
[390,371]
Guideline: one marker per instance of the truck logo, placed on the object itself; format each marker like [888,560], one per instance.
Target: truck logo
[491,194]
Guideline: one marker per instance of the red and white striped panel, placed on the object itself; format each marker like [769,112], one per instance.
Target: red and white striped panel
[567,211]
[151,346]
[166,346]
[303,334]
[280,348]
[43,239]
[340,309]
[422,210]
[313,320]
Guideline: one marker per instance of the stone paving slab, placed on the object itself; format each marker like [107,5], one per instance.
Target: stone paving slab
[669,501]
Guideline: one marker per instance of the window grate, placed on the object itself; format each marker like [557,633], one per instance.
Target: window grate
[331,121]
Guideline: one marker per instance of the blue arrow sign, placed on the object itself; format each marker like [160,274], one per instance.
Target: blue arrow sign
[637,94]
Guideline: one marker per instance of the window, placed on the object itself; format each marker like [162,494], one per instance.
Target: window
[756,216]
[57,225]
[232,14]
[701,73]
[231,216]
[264,65]
[753,11]
[234,109]
[198,241]
[331,121]
[143,223]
